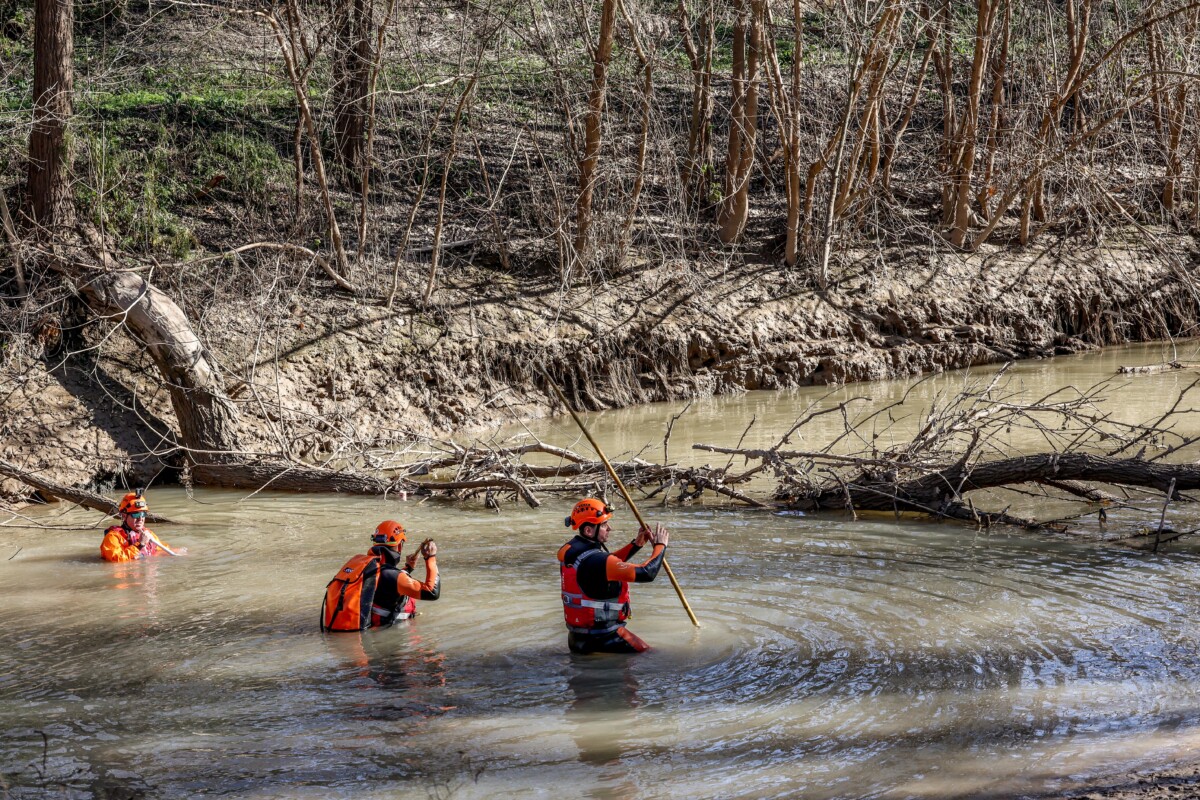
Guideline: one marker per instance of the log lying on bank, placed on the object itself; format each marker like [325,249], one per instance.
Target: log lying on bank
[50,489]
[481,471]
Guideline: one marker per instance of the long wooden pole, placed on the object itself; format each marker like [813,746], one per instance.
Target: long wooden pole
[159,542]
[624,493]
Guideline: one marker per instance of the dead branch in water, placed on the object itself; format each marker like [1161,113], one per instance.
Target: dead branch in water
[475,471]
[478,471]
[962,444]
[82,497]
[956,446]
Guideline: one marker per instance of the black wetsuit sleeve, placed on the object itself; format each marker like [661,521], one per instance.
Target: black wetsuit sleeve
[436,592]
[649,571]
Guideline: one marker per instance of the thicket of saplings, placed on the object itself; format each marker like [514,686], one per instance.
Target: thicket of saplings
[575,137]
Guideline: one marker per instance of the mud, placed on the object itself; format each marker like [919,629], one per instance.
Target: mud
[333,379]
[1177,782]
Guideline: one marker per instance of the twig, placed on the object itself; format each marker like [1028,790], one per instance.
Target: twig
[1163,516]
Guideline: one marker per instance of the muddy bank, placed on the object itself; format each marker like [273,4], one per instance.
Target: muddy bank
[327,378]
[1176,782]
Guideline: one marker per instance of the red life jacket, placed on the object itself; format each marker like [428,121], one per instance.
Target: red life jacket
[382,616]
[349,598]
[587,614]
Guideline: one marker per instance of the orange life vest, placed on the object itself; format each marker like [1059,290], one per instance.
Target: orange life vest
[349,598]
[591,615]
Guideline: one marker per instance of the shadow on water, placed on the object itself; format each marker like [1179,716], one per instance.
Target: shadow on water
[603,690]
[400,678]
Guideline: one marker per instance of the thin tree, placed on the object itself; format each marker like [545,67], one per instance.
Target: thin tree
[964,128]
[50,199]
[743,119]
[639,176]
[593,126]
[698,161]
[353,63]
[785,99]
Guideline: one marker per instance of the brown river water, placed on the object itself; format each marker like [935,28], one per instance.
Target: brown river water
[836,659]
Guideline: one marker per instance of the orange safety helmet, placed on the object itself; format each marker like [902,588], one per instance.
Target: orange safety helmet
[389,532]
[588,511]
[132,502]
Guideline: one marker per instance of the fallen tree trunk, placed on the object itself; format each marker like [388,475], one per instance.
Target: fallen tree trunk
[935,488]
[285,477]
[208,419]
[82,497]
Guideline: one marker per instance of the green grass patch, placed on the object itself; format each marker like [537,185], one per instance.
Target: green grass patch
[136,176]
[130,183]
[250,164]
[225,102]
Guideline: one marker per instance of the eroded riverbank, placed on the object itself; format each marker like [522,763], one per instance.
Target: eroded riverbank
[324,379]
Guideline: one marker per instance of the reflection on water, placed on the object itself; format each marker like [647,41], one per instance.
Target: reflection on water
[838,657]
[603,692]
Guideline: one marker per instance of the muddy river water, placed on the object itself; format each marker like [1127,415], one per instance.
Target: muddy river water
[836,658]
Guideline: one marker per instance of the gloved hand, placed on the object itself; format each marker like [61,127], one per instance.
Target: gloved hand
[658,536]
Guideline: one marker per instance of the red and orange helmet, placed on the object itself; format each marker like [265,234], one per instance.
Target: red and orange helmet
[132,502]
[389,532]
[588,511]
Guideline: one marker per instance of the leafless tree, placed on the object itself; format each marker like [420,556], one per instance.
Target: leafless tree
[50,199]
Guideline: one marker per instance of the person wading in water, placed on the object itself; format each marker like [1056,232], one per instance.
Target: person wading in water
[595,582]
[132,540]
[372,590]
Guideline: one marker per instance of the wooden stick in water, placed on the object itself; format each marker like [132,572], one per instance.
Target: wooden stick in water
[624,493]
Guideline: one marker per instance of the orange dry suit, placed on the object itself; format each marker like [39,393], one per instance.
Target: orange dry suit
[595,594]
[374,590]
[121,544]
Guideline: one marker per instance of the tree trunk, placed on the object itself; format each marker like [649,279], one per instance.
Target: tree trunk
[743,123]
[208,419]
[694,169]
[786,103]
[299,81]
[593,127]
[352,83]
[962,165]
[639,175]
[82,497]
[996,120]
[49,147]
[935,489]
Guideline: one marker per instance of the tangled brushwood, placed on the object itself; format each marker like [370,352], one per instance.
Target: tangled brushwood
[613,193]
[962,444]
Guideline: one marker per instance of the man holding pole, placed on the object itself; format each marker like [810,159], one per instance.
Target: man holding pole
[595,583]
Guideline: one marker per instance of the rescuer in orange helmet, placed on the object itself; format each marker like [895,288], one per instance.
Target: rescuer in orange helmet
[372,590]
[595,583]
[132,540]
